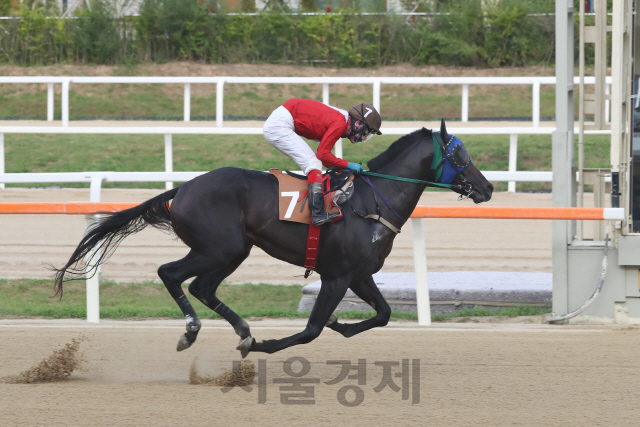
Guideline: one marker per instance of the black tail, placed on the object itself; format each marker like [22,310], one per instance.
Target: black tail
[103,237]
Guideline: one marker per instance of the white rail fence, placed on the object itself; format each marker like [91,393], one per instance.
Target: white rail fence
[220,82]
[169,176]
[512,176]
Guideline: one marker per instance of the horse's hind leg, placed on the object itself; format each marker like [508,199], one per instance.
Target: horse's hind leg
[204,288]
[173,275]
[369,293]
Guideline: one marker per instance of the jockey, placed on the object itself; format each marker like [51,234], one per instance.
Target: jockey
[319,122]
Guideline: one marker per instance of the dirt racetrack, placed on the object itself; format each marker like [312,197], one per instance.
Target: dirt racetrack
[483,375]
[27,242]
[469,374]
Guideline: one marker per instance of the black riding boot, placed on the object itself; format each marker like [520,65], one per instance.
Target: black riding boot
[316,203]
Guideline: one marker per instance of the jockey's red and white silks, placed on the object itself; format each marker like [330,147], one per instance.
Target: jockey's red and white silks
[279,131]
[313,120]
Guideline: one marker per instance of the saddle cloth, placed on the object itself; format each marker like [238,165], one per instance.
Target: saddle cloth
[294,206]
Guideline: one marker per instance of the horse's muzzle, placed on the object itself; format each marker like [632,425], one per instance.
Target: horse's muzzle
[482,195]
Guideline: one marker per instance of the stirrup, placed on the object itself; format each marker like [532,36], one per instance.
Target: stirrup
[326,217]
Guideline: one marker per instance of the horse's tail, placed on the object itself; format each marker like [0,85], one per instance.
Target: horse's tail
[103,237]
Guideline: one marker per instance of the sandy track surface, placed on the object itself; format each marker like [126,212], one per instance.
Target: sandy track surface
[484,375]
[27,242]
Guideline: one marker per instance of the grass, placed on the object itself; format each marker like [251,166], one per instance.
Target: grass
[32,298]
[399,102]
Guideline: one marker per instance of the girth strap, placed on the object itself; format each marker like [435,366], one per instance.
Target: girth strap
[311,255]
[384,222]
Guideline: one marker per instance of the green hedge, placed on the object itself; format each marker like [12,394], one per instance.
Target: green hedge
[465,33]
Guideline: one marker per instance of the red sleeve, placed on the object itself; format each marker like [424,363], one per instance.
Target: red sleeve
[333,134]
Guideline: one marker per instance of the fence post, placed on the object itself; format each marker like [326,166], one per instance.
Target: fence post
[93,282]
[420,263]
[513,160]
[168,158]
[187,102]
[65,103]
[536,104]
[465,102]
[376,95]
[325,93]
[49,102]
[1,157]
[607,103]
[219,102]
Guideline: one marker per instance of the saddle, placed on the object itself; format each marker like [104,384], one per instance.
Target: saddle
[293,193]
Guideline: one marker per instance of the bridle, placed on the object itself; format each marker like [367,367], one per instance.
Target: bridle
[435,178]
[458,168]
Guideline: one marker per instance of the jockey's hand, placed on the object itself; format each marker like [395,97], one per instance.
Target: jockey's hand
[356,167]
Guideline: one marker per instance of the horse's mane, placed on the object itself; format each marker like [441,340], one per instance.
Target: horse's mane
[398,147]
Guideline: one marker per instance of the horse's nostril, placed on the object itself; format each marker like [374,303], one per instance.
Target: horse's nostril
[490,188]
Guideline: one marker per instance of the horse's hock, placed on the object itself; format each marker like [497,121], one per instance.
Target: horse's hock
[449,291]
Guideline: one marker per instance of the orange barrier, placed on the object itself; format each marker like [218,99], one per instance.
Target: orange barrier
[496,212]
[68,208]
[507,212]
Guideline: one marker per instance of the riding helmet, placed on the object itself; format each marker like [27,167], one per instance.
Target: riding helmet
[369,115]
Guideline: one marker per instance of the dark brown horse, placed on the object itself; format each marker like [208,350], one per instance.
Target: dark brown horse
[221,215]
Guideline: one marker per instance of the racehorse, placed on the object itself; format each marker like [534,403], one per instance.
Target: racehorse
[221,215]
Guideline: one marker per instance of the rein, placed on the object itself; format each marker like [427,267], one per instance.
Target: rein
[435,171]
[411,180]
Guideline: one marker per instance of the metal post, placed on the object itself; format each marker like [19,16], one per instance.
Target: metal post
[49,102]
[1,157]
[187,102]
[65,103]
[219,102]
[513,160]
[564,174]
[376,95]
[536,104]
[420,262]
[168,158]
[325,93]
[465,102]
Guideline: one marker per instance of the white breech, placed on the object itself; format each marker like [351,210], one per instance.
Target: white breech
[280,132]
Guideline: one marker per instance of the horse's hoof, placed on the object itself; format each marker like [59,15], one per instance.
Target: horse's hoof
[244,346]
[184,343]
[333,319]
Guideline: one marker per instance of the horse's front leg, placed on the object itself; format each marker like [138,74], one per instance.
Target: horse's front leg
[369,293]
[330,295]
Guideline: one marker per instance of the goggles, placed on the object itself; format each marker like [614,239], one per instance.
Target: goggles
[367,133]
[362,132]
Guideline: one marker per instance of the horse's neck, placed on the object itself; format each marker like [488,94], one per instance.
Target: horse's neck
[403,196]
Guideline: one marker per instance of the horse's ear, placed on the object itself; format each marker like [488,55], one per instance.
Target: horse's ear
[443,132]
